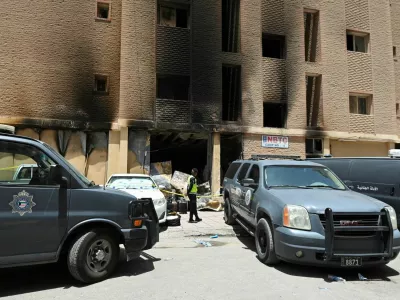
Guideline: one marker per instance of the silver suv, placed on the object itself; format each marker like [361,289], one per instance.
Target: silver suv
[301,212]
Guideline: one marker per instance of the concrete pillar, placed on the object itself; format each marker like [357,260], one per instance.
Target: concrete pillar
[113,152]
[216,163]
[327,146]
[123,151]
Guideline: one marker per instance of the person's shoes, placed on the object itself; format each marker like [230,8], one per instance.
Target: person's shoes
[191,221]
[199,220]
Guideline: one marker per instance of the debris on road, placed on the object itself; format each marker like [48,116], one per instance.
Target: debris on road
[362,278]
[214,236]
[336,278]
[201,242]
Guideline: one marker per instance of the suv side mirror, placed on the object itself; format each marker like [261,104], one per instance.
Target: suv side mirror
[248,182]
[55,175]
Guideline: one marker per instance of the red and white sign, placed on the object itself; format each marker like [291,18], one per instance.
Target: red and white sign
[272,141]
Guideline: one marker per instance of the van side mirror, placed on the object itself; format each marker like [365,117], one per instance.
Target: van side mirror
[248,182]
[55,175]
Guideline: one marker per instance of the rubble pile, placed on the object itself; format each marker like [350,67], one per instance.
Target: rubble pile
[176,185]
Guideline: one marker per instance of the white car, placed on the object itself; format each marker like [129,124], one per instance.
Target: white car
[141,186]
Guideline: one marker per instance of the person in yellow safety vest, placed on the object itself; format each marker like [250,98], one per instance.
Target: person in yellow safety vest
[192,194]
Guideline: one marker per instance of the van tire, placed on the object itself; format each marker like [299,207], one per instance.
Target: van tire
[265,243]
[79,256]
[228,214]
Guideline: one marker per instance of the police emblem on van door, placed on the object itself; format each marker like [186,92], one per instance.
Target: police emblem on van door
[247,198]
[22,203]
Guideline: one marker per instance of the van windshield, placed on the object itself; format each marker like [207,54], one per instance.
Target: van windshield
[72,168]
[302,177]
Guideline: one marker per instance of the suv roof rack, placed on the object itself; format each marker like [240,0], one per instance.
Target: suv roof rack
[263,157]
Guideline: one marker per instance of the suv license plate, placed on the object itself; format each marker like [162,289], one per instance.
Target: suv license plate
[351,262]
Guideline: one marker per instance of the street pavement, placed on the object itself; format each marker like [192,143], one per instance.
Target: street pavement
[180,268]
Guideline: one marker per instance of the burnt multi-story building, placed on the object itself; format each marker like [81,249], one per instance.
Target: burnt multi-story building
[115,85]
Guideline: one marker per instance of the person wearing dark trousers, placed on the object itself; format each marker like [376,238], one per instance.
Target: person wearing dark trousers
[192,194]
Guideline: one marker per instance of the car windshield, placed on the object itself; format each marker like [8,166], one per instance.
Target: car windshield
[302,177]
[73,169]
[131,182]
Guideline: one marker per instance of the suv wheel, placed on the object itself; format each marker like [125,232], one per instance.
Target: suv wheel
[229,220]
[265,243]
[93,257]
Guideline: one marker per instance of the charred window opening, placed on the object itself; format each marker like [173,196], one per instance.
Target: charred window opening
[313,100]
[231,93]
[273,46]
[173,87]
[178,149]
[360,104]
[173,15]
[314,146]
[100,83]
[311,21]
[275,115]
[103,10]
[230,25]
[357,41]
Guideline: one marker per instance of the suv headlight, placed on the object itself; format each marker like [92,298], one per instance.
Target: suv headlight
[296,217]
[393,216]
[159,201]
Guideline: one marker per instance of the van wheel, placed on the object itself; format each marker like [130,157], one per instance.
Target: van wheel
[228,215]
[93,257]
[265,243]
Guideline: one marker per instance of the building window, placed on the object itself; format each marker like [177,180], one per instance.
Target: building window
[397,109]
[275,115]
[230,25]
[360,104]
[173,87]
[394,51]
[357,42]
[173,15]
[311,22]
[103,10]
[100,83]
[313,100]
[231,93]
[314,146]
[273,46]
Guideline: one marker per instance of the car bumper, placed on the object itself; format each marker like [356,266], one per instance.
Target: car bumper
[305,247]
[137,240]
[161,213]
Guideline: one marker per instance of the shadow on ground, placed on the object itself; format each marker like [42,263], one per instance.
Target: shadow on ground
[18,281]
[382,273]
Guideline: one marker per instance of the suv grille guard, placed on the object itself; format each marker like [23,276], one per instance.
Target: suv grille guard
[330,230]
[142,209]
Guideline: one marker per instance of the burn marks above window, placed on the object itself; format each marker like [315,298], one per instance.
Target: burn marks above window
[172,14]
[231,93]
[172,87]
[103,10]
[230,25]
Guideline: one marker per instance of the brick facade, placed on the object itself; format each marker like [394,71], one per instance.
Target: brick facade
[49,60]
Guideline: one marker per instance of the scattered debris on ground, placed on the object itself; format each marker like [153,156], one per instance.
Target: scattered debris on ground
[201,242]
[362,278]
[336,278]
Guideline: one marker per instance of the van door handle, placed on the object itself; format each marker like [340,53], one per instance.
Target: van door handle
[392,191]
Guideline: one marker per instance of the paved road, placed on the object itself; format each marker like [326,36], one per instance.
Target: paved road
[181,269]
